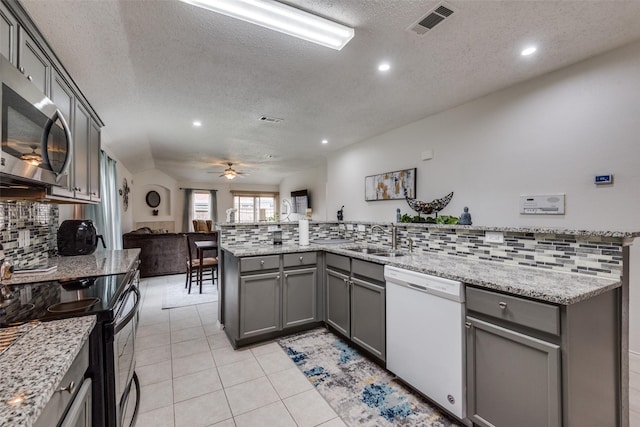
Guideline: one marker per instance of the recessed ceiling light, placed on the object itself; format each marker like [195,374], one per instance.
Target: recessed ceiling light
[282,18]
[197,123]
[384,66]
[325,141]
[528,51]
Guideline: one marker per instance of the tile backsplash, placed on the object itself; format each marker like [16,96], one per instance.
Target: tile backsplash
[598,255]
[40,219]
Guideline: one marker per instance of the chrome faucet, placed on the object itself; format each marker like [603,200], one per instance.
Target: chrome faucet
[393,231]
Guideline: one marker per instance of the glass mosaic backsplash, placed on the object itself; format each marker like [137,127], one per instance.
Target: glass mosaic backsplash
[41,221]
[596,255]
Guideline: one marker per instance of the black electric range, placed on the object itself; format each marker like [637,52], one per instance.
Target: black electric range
[114,300]
[58,299]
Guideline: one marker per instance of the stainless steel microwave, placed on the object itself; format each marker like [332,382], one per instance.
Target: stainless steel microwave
[36,140]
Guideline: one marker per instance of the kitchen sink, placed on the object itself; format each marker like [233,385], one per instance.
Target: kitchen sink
[377,252]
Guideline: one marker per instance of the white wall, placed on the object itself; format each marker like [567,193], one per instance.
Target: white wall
[314,180]
[549,135]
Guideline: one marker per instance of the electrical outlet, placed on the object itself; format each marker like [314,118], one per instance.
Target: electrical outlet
[350,227]
[361,227]
[272,228]
[27,238]
[23,238]
[494,236]
[341,227]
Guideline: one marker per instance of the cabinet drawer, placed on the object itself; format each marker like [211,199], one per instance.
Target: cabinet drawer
[298,259]
[258,263]
[61,399]
[367,269]
[338,262]
[532,314]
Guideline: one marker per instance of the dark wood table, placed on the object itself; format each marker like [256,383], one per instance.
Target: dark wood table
[201,246]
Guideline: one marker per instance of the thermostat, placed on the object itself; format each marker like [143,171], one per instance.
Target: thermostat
[550,204]
[603,179]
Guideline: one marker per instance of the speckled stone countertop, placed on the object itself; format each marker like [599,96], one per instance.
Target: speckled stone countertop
[33,367]
[540,284]
[100,263]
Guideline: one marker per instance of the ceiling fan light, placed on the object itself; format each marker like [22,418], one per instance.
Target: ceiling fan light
[229,175]
[282,18]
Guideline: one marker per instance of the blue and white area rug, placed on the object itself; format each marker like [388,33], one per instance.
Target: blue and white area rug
[361,392]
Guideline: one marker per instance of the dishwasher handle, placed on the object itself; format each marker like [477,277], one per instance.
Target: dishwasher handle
[417,287]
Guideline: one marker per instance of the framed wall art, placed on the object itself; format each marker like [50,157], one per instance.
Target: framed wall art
[390,185]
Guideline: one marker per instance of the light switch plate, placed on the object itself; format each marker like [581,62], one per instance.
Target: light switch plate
[341,227]
[350,227]
[361,227]
[494,236]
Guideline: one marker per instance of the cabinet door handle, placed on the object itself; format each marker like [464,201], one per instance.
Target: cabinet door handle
[70,388]
[502,305]
[301,259]
[22,70]
[467,325]
[30,78]
[286,276]
[277,277]
[261,262]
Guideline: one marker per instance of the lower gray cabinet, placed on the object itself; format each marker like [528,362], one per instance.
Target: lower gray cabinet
[338,302]
[512,379]
[355,302]
[368,316]
[299,302]
[260,304]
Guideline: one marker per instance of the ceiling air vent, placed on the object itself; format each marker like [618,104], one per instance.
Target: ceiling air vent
[435,16]
[270,119]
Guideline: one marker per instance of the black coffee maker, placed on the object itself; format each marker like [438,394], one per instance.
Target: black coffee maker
[78,237]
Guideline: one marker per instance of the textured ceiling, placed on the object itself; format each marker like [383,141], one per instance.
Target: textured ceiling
[151,67]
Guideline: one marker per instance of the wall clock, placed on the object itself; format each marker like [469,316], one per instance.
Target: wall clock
[153,199]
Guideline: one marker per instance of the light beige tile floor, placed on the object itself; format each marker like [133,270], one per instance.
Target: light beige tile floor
[191,376]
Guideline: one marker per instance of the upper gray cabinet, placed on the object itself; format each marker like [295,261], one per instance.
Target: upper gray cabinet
[64,98]
[81,126]
[94,161]
[32,62]
[8,34]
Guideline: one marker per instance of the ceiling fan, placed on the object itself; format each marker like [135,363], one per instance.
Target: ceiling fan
[230,172]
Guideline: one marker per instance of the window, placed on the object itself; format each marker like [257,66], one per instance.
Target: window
[201,205]
[255,206]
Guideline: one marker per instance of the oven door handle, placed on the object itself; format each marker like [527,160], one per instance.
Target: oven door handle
[117,326]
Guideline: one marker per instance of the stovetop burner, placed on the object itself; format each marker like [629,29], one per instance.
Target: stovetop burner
[61,298]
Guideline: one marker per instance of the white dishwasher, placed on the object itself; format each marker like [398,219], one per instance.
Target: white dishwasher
[425,337]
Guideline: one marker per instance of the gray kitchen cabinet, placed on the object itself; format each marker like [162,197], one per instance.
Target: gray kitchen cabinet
[33,62]
[531,363]
[355,302]
[81,126]
[62,95]
[337,301]
[94,161]
[8,34]
[513,378]
[260,304]
[299,302]
[263,297]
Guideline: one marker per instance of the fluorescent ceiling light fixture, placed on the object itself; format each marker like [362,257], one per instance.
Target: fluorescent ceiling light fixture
[528,51]
[283,18]
[197,123]
[384,66]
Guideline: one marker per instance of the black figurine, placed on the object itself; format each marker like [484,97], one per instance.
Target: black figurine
[341,213]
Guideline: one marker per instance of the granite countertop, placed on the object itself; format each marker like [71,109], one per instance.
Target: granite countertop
[33,367]
[100,263]
[540,284]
